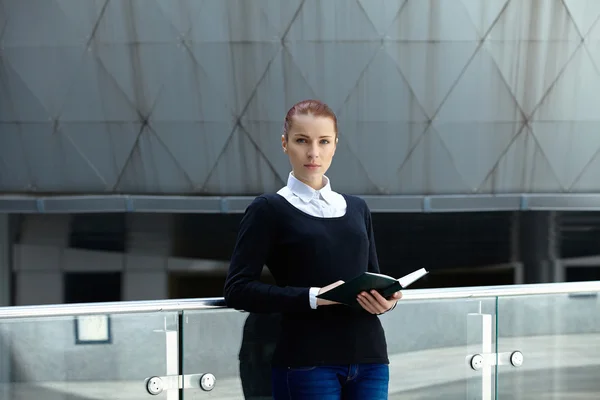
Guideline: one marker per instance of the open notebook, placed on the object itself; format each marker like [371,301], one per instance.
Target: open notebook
[384,284]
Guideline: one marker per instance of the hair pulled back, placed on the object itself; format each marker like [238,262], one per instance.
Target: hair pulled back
[305,107]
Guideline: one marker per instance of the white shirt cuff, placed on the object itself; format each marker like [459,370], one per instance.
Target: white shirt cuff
[312,297]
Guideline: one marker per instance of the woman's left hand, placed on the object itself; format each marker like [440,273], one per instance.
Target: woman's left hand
[377,304]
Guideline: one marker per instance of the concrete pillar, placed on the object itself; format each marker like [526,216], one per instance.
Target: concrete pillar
[148,249]
[539,247]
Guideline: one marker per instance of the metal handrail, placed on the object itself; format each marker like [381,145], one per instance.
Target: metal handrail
[116,307]
[127,307]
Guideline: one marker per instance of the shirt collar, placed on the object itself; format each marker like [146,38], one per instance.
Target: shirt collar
[306,193]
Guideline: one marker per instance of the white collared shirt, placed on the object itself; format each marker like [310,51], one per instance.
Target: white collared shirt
[324,203]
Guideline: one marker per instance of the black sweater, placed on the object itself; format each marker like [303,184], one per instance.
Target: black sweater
[304,251]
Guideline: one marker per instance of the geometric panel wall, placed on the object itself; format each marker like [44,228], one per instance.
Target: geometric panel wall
[188,97]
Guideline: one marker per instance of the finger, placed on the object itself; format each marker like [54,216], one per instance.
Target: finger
[377,306]
[364,303]
[379,298]
[383,304]
[395,296]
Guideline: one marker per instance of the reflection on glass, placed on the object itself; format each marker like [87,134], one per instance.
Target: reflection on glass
[43,358]
[429,342]
[211,344]
[559,337]
[258,344]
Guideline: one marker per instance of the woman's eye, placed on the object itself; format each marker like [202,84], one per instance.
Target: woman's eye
[300,140]
[324,141]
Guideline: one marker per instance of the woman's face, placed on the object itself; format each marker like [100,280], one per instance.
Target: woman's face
[310,145]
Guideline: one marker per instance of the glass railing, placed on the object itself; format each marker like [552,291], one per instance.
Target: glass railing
[512,342]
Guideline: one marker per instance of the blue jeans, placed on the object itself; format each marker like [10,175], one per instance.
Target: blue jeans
[347,382]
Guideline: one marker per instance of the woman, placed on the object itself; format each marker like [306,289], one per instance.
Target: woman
[312,239]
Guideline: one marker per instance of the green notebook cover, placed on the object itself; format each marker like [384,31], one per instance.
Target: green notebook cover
[385,285]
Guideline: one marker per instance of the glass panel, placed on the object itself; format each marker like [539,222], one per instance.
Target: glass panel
[429,343]
[77,358]
[212,343]
[559,337]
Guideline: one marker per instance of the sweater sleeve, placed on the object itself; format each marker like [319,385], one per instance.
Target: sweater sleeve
[243,290]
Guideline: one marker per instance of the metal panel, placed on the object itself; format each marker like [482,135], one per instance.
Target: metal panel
[585,13]
[569,147]
[83,204]
[333,69]
[63,61]
[258,174]
[152,168]
[129,21]
[414,60]
[235,69]
[332,21]
[523,167]
[55,23]
[18,105]
[238,204]
[54,162]
[476,203]
[174,204]
[395,203]
[438,21]
[454,97]
[3,20]
[95,96]
[475,147]
[18,205]
[196,146]
[382,13]
[106,147]
[565,202]
[415,175]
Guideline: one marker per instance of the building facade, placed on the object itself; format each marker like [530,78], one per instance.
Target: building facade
[173,109]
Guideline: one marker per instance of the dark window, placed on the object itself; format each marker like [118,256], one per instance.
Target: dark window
[205,236]
[579,234]
[104,232]
[13,287]
[582,274]
[441,241]
[92,287]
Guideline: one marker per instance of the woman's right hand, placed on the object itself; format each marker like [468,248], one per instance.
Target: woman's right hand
[323,302]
